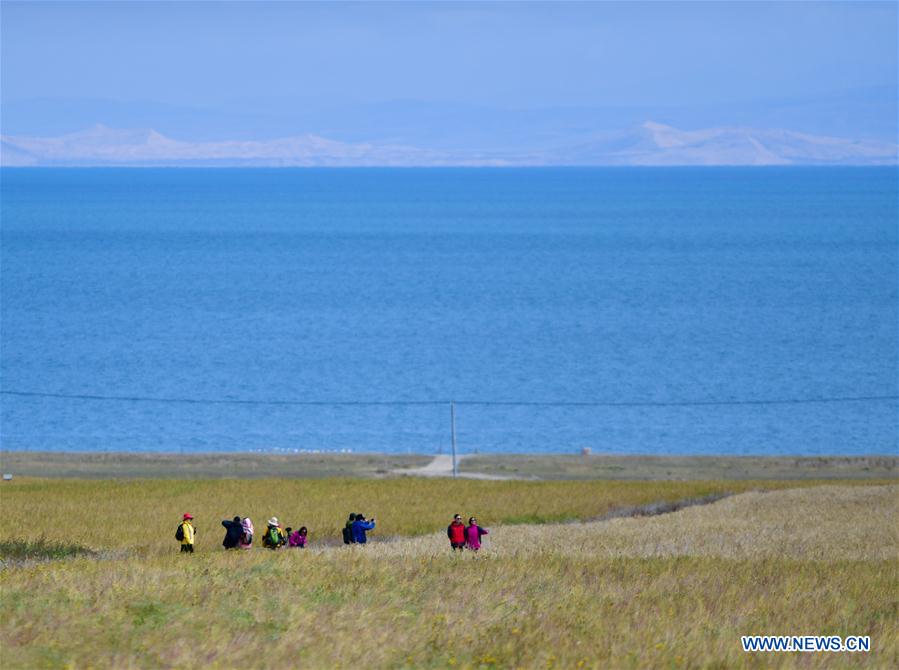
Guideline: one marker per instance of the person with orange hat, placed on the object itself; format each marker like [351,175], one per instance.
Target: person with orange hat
[185,534]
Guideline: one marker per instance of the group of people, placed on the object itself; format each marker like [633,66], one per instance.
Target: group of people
[465,537]
[239,533]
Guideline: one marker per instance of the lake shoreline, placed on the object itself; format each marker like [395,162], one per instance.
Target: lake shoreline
[99,465]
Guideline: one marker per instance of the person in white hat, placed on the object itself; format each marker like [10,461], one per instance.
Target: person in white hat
[274,536]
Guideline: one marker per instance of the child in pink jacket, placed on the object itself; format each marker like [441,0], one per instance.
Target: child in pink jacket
[473,534]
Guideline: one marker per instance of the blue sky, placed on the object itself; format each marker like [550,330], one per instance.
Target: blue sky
[244,63]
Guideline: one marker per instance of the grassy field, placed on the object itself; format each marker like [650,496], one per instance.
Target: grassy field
[685,467]
[105,587]
[145,512]
[108,465]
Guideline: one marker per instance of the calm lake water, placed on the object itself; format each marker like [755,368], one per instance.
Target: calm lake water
[557,285]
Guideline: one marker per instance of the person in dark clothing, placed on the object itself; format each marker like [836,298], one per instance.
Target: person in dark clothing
[233,533]
[456,533]
[348,530]
[360,527]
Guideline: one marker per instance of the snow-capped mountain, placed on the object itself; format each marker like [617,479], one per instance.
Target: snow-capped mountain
[659,144]
[648,144]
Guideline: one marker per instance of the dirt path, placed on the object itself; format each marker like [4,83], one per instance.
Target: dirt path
[442,466]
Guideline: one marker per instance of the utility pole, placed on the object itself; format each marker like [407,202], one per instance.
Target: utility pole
[453,434]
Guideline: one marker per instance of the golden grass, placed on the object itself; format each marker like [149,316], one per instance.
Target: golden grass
[824,523]
[670,591]
[142,514]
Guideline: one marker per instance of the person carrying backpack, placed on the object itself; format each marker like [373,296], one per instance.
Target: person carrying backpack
[185,534]
[456,533]
[233,533]
[473,534]
[348,530]
[361,527]
[273,538]
[246,539]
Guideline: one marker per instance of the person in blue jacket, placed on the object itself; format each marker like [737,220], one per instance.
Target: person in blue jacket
[360,527]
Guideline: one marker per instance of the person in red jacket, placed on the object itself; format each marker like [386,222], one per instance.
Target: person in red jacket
[456,533]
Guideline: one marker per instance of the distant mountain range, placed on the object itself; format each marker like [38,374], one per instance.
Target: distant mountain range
[659,144]
[647,144]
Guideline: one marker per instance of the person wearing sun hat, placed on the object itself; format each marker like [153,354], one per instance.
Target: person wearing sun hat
[186,534]
[274,536]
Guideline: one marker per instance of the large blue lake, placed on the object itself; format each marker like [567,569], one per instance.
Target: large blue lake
[558,285]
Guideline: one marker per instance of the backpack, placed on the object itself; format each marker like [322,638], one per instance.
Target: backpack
[179,534]
[273,537]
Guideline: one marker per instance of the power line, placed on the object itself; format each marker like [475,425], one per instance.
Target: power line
[683,403]
[224,401]
[478,403]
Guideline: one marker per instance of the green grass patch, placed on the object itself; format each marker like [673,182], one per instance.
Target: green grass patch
[40,549]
